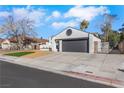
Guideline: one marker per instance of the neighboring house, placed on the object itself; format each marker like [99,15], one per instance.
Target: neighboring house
[30,43]
[40,44]
[5,44]
[44,45]
[73,40]
[1,40]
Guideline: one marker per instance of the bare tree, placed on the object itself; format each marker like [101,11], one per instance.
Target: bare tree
[10,29]
[106,26]
[18,29]
[26,28]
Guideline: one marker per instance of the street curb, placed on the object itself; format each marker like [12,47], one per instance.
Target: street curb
[98,79]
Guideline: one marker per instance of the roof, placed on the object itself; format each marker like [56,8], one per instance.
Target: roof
[36,40]
[74,34]
[39,40]
[79,31]
[12,39]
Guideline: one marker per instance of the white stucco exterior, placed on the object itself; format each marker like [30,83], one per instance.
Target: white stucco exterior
[92,39]
[45,47]
[75,35]
[6,44]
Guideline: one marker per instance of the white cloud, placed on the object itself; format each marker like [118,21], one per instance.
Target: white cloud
[56,14]
[33,14]
[4,14]
[20,13]
[57,24]
[36,14]
[71,23]
[27,12]
[79,13]
[87,13]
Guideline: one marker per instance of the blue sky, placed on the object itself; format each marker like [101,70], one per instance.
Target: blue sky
[51,19]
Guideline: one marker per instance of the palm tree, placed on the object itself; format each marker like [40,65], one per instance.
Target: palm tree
[84,24]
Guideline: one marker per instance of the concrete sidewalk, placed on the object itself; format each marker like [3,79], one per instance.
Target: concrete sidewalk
[101,68]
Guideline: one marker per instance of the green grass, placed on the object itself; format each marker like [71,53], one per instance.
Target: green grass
[19,54]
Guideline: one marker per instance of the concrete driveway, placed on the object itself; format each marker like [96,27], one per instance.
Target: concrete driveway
[105,65]
[96,60]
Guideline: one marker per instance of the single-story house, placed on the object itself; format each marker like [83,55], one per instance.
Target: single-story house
[73,40]
[40,44]
[1,40]
[30,43]
[5,44]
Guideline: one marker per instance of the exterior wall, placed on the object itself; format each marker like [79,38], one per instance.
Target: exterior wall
[5,44]
[92,39]
[91,44]
[99,43]
[40,46]
[53,45]
[60,45]
[45,47]
[29,46]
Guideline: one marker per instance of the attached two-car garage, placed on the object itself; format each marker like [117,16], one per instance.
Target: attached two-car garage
[73,40]
[75,45]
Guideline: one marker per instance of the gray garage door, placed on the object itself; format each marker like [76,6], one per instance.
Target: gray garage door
[75,45]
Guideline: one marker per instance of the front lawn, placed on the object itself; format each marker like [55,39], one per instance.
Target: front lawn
[19,54]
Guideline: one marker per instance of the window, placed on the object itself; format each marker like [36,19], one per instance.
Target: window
[68,32]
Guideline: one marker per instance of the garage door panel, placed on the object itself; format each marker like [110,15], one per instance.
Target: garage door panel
[74,46]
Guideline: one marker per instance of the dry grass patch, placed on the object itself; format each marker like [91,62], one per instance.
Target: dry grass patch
[37,54]
[3,52]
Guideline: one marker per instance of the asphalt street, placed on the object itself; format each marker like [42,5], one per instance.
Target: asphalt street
[16,76]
